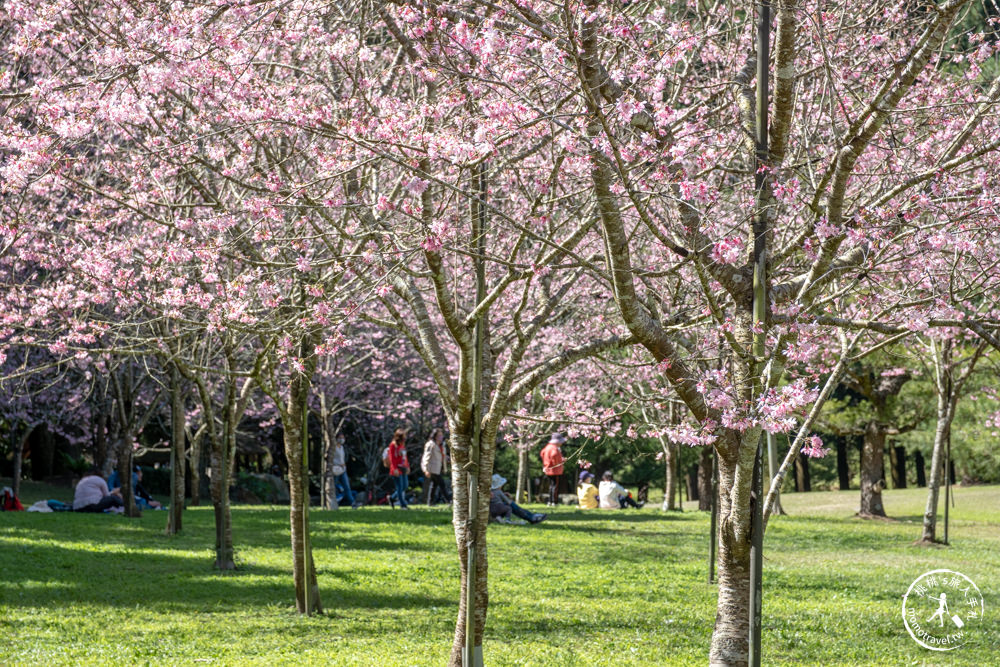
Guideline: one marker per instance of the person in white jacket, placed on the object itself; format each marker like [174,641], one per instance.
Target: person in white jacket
[614,496]
[434,463]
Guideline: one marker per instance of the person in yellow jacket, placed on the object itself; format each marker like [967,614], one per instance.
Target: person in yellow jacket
[587,492]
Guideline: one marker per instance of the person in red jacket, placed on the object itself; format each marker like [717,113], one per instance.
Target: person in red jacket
[399,465]
[553,460]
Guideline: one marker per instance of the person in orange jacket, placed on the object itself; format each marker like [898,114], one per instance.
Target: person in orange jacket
[552,461]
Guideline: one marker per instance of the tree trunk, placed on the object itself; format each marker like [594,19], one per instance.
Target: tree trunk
[670,482]
[328,484]
[872,483]
[900,466]
[918,462]
[843,471]
[691,481]
[177,458]
[522,476]
[929,533]
[19,458]
[125,477]
[461,440]
[730,638]
[43,454]
[101,439]
[196,466]
[303,568]
[705,480]
[772,472]
[224,555]
[803,480]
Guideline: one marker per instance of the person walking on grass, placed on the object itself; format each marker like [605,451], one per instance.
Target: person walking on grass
[613,495]
[433,464]
[553,461]
[341,481]
[399,466]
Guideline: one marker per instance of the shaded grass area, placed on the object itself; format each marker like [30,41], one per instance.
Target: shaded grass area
[597,588]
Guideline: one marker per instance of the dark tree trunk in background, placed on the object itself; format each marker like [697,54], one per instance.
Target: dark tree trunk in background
[194,478]
[918,461]
[878,389]
[951,471]
[705,480]
[899,468]
[692,483]
[803,482]
[19,458]
[843,470]
[328,486]
[872,482]
[101,439]
[43,453]
[177,458]
[125,479]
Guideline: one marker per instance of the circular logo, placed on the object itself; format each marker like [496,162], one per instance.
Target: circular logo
[941,608]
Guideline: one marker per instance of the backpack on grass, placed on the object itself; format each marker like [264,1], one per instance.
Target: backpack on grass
[9,502]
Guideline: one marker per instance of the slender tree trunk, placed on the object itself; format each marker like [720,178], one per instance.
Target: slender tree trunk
[670,482]
[803,480]
[522,476]
[196,466]
[43,454]
[843,472]
[941,433]
[691,482]
[872,483]
[19,458]
[177,458]
[705,480]
[328,485]
[303,567]
[101,438]
[900,466]
[772,471]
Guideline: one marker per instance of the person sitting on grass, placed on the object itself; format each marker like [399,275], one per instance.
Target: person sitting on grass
[501,506]
[587,492]
[92,494]
[613,495]
[143,500]
[142,497]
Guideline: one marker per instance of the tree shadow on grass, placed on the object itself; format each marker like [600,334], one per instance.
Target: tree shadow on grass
[619,516]
[50,575]
[368,544]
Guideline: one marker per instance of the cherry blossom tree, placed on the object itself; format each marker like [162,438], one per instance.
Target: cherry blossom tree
[485,179]
[858,176]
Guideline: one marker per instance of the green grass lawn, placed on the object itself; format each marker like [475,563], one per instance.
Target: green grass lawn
[583,588]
